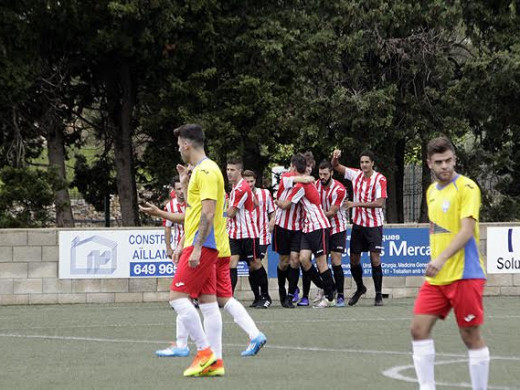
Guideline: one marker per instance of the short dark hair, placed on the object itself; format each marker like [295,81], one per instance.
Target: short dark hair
[176,179]
[439,145]
[235,161]
[299,162]
[367,153]
[249,173]
[309,159]
[192,132]
[326,164]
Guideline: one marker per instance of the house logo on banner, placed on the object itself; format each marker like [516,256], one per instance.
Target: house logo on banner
[503,250]
[94,255]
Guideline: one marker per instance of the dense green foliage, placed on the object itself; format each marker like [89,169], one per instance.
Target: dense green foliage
[266,79]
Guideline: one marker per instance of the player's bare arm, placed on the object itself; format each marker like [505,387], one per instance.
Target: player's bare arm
[232,211]
[459,242]
[378,203]
[283,204]
[335,162]
[206,222]
[155,211]
[178,251]
[332,211]
[167,240]
[303,179]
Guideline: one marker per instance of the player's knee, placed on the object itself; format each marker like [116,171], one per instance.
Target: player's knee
[419,331]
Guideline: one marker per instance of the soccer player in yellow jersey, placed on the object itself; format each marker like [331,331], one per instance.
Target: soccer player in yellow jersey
[204,241]
[455,276]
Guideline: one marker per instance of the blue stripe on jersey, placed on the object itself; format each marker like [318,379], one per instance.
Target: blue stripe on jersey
[472,267]
[210,241]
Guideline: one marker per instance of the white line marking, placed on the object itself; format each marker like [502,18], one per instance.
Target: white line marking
[395,373]
[282,347]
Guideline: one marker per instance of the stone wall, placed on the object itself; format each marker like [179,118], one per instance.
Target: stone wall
[29,275]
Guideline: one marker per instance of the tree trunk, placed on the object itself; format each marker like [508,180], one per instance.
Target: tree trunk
[121,101]
[56,152]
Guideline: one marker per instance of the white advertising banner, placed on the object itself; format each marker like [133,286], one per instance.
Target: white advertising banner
[503,250]
[103,254]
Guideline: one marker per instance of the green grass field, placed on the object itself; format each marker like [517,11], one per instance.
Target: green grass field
[361,347]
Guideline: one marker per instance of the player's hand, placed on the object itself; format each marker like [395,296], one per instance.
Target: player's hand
[271,225]
[336,154]
[176,255]
[348,204]
[433,267]
[194,259]
[169,252]
[184,174]
[149,209]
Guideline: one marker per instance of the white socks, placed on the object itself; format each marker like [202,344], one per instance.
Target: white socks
[181,338]
[241,317]
[191,321]
[479,368]
[213,326]
[423,360]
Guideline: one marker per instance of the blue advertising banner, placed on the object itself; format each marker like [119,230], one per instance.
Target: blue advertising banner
[406,251]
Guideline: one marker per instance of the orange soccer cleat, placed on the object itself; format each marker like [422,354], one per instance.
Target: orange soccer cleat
[203,360]
[216,369]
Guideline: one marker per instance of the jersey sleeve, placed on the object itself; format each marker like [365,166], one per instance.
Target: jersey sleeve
[351,173]
[238,198]
[208,184]
[381,188]
[338,197]
[470,202]
[288,181]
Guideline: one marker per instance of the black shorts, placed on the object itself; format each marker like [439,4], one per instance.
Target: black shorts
[337,242]
[247,249]
[316,241]
[262,250]
[286,241]
[366,239]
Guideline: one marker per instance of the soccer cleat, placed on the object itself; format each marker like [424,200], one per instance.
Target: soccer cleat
[340,302]
[216,369]
[324,303]
[203,360]
[173,351]
[379,300]
[296,295]
[255,345]
[255,302]
[263,303]
[303,302]
[288,302]
[318,296]
[355,297]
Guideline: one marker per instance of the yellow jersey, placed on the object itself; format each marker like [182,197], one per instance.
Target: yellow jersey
[447,206]
[207,182]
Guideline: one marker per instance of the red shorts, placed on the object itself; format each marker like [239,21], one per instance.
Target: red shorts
[200,280]
[464,296]
[224,289]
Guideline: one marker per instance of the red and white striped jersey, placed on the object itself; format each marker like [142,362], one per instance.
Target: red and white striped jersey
[334,195]
[289,219]
[367,190]
[313,215]
[243,224]
[173,206]
[262,211]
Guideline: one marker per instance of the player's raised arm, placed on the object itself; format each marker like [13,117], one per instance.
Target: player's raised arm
[335,162]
